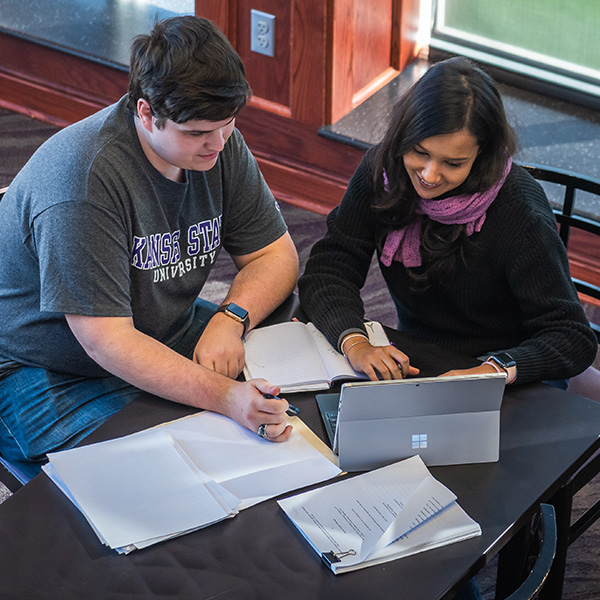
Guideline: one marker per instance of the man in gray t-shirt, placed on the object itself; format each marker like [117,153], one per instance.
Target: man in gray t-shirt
[107,237]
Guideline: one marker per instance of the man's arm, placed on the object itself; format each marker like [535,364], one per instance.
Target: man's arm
[265,279]
[116,345]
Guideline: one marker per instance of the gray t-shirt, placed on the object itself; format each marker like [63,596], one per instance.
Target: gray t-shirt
[90,227]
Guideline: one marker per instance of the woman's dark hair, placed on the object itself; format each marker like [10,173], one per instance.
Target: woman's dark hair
[187,69]
[451,96]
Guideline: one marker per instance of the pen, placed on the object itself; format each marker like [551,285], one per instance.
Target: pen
[292,410]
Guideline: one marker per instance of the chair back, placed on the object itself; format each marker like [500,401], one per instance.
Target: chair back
[573,220]
[545,538]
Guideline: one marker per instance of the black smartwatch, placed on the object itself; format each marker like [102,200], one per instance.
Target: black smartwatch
[504,361]
[237,313]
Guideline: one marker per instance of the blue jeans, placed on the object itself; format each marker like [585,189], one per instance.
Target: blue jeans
[43,411]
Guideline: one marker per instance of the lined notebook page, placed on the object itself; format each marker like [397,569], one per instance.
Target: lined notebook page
[336,364]
[284,354]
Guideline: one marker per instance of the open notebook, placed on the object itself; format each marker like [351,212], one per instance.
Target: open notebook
[297,357]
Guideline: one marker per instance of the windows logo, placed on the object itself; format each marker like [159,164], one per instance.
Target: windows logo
[419,440]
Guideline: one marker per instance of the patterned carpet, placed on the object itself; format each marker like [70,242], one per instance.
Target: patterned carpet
[20,136]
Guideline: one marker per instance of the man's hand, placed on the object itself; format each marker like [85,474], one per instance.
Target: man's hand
[220,346]
[380,362]
[265,279]
[247,405]
[115,344]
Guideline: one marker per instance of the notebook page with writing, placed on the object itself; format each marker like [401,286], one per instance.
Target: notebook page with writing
[336,364]
[285,354]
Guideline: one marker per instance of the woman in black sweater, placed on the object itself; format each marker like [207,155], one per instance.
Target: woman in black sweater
[466,241]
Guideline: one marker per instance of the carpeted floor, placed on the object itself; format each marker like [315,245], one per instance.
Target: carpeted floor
[20,136]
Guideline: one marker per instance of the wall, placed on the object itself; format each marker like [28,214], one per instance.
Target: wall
[330,56]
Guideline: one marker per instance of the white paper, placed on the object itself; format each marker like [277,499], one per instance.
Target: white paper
[362,518]
[251,468]
[153,485]
[136,488]
[449,526]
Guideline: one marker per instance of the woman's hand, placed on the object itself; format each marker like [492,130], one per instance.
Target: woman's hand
[380,362]
[481,369]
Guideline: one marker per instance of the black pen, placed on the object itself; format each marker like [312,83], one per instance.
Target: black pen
[292,410]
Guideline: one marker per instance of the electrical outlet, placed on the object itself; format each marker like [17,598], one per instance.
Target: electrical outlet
[262,32]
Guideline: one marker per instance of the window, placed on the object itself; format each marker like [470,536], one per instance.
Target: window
[101,29]
[554,41]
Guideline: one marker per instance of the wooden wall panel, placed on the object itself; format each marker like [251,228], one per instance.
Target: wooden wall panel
[308,64]
[268,76]
[406,15]
[221,12]
[341,59]
[362,52]
[57,87]
[372,41]
[299,166]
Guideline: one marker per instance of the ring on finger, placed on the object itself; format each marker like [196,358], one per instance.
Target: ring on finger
[262,430]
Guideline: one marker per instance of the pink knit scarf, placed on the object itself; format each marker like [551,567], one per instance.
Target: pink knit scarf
[403,244]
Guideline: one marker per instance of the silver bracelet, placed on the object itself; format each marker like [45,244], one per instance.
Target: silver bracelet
[364,341]
[361,335]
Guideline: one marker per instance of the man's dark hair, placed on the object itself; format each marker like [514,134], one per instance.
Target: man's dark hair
[187,70]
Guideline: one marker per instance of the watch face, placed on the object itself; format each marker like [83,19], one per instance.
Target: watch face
[505,360]
[236,310]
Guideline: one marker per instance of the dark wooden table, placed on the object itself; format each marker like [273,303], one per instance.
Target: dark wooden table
[47,549]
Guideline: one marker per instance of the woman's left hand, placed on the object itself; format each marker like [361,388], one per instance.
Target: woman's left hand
[479,370]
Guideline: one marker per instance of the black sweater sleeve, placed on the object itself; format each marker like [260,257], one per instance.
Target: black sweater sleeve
[338,264]
[513,293]
[557,341]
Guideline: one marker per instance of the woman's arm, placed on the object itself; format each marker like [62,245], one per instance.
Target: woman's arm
[330,288]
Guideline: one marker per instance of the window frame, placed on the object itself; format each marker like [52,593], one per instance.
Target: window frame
[563,79]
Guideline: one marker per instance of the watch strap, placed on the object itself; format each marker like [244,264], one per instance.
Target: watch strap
[506,362]
[237,313]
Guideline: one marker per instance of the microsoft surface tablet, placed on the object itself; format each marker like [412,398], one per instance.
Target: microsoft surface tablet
[446,420]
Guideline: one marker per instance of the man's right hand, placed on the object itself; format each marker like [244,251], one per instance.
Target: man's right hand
[117,346]
[246,403]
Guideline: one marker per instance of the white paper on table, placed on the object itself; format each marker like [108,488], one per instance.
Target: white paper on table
[137,488]
[249,467]
[355,514]
[451,525]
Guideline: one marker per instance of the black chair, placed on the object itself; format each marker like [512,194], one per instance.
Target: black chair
[8,479]
[572,220]
[541,556]
[572,185]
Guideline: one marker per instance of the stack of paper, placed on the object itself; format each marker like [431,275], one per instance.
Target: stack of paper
[382,515]
[164,482]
